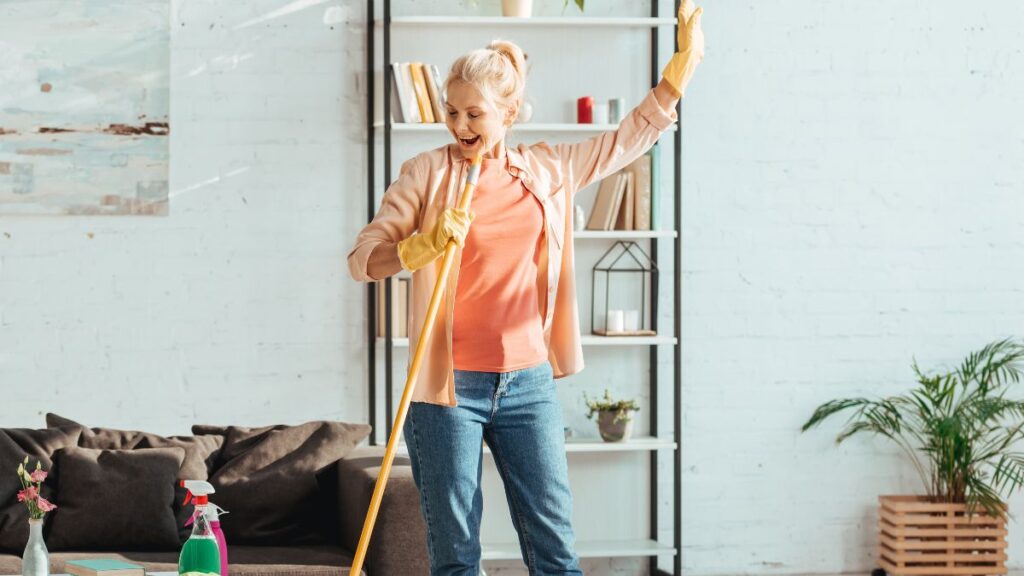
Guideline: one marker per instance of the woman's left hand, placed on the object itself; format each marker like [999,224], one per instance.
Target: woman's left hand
[689,50]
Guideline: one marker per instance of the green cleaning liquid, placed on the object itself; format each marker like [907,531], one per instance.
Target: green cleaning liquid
[199,556]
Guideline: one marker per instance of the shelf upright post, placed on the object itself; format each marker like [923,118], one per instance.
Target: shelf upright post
[388,338]
[653,349]
[677,367]
[371,292]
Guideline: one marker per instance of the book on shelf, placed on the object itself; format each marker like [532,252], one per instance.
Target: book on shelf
[655,180]
[431,75]
[397,107]
[419,84]
[405,110]
[410,94]
[606,203]
[435,73]
[624,221]
[102,567]
[399,307]
[641,171]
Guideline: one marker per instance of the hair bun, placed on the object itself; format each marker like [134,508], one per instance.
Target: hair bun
[513,52]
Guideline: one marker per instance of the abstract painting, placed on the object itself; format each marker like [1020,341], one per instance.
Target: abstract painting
[84,106]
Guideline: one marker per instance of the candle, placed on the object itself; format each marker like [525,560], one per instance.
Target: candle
[615,106]
[584,110]
[600,113]
[615,321]
[632,320]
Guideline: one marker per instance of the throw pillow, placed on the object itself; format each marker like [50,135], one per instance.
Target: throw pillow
[267,479]
[200,454]
[15,444]
[116,499]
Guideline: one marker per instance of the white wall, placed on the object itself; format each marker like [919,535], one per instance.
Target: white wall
[852,181]
[237,307]
[852,199]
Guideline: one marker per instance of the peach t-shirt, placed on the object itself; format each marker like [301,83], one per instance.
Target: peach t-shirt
[497,325]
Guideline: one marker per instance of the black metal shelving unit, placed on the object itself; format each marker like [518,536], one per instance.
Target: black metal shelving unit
[372,300]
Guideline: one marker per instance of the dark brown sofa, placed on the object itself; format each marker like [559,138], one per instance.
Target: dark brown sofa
[398,546]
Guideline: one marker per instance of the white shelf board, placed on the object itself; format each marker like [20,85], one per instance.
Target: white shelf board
[592,340]
[622,234]
[538,21]
[524,127]
[587,340]
[584,549]
[634,444]
[592,445]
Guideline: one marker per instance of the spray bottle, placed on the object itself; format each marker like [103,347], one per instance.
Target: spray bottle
[213,512]
[205,552]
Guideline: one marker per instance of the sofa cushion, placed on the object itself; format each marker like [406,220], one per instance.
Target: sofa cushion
[200,453]
[15,444]
[115,499]
[266,478]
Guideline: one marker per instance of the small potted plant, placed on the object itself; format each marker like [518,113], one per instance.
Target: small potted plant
[614,417]
[36,559]
[961,432]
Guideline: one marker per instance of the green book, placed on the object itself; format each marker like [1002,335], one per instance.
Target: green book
[104,566]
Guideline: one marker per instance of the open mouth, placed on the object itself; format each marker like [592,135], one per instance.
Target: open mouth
[469,141]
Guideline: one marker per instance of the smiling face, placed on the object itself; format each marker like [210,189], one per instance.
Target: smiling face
[477,125]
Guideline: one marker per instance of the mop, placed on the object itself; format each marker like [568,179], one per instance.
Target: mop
[410,382]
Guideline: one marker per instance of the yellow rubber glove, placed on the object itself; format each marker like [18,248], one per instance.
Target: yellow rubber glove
[422,248]
[690,49]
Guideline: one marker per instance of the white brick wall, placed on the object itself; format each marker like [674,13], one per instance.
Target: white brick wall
[852,181]
[852,199]
[237,307]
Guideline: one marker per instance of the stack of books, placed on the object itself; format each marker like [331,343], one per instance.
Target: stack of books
[627,199]
[416,96]
[399,308]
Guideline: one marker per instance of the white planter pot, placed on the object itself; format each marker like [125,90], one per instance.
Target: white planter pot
[517,8]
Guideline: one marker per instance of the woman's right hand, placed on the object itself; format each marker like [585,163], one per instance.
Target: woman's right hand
[422,248]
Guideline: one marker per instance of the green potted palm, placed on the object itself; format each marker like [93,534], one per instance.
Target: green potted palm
[961,432]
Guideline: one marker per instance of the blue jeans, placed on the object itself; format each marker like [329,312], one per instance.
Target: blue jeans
[518,414]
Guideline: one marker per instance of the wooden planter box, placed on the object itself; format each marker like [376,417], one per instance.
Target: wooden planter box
[923,538]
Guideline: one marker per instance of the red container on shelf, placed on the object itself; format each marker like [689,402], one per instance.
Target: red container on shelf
[585,110]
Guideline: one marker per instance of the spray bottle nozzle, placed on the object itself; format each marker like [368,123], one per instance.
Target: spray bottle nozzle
[200,489]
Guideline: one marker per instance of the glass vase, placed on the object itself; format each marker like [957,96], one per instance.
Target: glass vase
[36,559]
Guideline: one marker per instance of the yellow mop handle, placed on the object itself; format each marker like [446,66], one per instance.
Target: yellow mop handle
[410,382]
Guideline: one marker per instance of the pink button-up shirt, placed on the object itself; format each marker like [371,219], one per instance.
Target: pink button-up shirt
[432,181]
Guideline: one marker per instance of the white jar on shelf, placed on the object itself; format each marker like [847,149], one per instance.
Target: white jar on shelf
[525,112]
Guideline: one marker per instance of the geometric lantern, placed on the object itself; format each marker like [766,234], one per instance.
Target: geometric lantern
[619,284]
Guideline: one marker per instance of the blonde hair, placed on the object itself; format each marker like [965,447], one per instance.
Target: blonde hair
[497,71]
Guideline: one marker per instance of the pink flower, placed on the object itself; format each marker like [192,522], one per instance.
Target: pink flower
[45,505]
[38,475]
[29,494]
